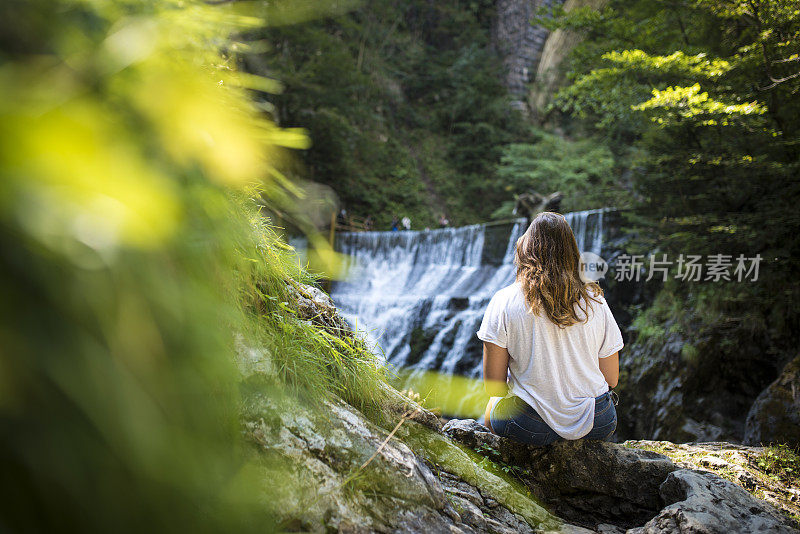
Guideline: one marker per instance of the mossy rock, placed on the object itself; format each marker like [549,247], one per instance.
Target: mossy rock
[775,414]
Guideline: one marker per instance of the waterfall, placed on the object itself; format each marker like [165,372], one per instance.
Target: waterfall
[419,297]
[588,229]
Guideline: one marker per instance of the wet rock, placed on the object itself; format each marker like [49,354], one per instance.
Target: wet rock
[775,414]
[701,502]
[665,397]
[419,340]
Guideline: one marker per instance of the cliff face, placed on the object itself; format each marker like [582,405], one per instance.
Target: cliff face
[533,56]
[775,414]
[665,394]
[520,43]
[550,69]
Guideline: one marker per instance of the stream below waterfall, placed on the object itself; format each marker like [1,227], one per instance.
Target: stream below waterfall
[419,296]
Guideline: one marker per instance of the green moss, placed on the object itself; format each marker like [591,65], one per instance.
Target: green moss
[690,353]
[475,470]
[780,462]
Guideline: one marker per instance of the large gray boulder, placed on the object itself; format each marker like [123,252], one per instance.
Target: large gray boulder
[338,471]
[588,481]
[704,503]
[740,464]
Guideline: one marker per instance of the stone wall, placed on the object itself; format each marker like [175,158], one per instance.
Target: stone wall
[520,43]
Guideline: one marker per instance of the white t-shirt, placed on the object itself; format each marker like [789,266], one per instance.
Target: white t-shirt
[555,370]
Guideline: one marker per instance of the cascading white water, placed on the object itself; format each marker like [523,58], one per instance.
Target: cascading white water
[420,296]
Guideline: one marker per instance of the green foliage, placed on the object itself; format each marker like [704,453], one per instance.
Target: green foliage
[675,104]
[314,363]
[706,94]
[676,64]
[583,170]
[602,96]
[780,462]
[134,266]
[404,106]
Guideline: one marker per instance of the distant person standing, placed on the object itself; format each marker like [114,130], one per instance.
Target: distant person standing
[406,223]
[395,224]
[443,222]
[368,223]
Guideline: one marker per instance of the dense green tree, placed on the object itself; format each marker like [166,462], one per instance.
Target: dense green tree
[583,170]
[707,93]
[404,105]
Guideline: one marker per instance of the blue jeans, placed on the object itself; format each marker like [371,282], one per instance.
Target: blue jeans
[513,418]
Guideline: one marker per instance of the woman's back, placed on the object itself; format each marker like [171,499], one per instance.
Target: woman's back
[554,369]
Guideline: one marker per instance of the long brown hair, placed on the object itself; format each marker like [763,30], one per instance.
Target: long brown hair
[548,264]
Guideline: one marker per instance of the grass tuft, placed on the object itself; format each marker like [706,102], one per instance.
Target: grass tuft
[780,462]
[311,361]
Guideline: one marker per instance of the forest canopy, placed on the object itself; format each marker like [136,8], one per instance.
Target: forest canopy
[701,100]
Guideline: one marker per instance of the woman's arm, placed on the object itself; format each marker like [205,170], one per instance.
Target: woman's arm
[495,369]
[609,367]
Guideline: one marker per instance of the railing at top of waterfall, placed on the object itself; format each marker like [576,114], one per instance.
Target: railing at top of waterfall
[351,223]
[364,224]
[348,223]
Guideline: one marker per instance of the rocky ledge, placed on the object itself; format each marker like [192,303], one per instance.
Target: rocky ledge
[343,473]
[756,469]
[327,467]
[629,487]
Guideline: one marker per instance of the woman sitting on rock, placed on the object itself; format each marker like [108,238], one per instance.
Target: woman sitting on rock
[550,345]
